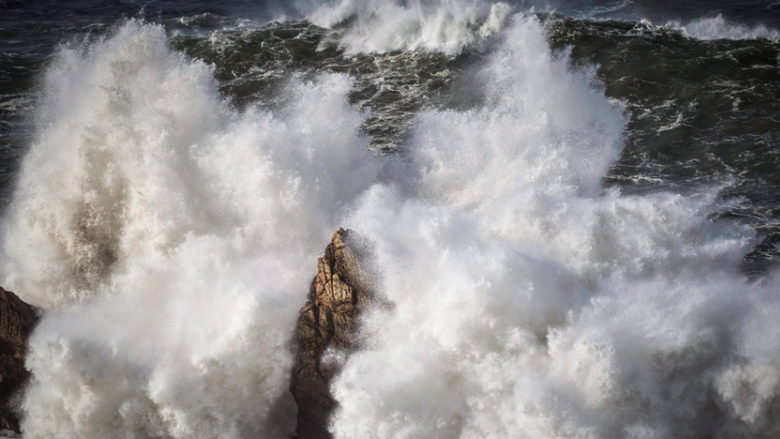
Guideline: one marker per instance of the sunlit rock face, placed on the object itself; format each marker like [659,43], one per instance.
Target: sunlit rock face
[327,331]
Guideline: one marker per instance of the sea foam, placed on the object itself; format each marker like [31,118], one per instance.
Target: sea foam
[171,239]
[529,303]
[718,28]
[446,26]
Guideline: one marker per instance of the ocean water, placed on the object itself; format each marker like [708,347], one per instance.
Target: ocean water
[573,207]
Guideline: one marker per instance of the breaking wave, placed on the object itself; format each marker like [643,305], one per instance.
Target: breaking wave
[171,240]
[718,28]
[444,25]
[530,304]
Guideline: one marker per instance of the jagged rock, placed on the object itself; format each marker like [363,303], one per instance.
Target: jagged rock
[328,321]
[17,320]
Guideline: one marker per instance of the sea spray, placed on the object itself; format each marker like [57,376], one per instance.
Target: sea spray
[171,241]
[527,303]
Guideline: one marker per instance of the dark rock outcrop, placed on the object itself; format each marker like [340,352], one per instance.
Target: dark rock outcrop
[328,321]
[17,320]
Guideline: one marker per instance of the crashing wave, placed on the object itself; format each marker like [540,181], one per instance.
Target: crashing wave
[379,26]
[718,28]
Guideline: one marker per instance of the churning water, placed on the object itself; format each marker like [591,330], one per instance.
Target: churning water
[574,212]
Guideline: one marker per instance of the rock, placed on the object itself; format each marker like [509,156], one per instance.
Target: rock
[17,321]
[328,322]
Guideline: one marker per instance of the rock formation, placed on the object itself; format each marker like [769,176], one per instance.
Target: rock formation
[17,320]
[328,322]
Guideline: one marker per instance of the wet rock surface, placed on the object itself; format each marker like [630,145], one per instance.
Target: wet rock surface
[17,321]
[328,323]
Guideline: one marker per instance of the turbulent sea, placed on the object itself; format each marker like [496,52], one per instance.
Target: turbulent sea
[573,207]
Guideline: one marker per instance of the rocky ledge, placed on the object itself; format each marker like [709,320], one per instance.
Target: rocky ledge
[17,321]
[328,324]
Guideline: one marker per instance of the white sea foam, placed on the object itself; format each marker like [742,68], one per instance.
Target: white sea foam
[385,26]
[718,28]
[171,241]
[527,304]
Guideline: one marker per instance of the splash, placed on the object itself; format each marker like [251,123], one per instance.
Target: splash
[169,238]
[528,303]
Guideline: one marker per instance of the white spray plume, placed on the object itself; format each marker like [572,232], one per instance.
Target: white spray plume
[171,240]
[528,304]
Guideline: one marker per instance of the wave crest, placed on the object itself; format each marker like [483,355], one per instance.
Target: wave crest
[445,26]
